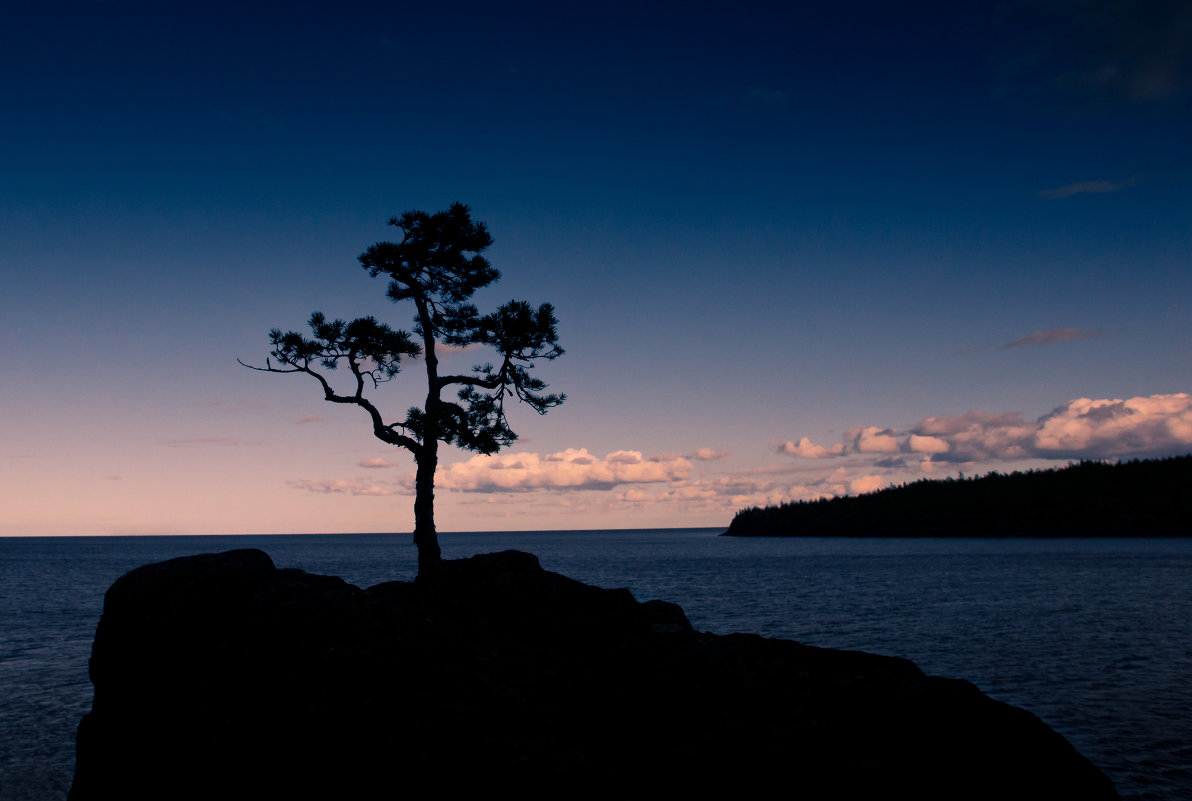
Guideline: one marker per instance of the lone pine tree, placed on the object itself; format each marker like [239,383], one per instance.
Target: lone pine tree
[437,266]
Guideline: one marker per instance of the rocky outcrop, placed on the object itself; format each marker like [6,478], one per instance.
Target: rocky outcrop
[220,676]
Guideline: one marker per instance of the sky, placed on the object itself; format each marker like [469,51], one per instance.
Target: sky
[796,250]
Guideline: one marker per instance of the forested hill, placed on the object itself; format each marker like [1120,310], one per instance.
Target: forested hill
[1150,498]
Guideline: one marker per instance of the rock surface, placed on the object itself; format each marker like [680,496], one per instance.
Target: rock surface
[220,676]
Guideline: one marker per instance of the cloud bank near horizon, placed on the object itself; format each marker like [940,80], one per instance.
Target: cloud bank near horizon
[581,482]
[867,459]
[571,469]
[1083,428]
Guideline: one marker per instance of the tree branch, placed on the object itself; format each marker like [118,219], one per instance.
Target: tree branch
[269,369]
[381,430]
[491,382]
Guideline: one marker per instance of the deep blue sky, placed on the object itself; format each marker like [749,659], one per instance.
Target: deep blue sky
[757,224]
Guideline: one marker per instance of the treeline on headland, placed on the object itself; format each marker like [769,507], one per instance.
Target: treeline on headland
[1141,498]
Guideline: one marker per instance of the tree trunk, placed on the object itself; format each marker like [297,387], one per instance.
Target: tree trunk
[425,536]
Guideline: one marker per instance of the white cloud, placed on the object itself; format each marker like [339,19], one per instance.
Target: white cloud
[709,455]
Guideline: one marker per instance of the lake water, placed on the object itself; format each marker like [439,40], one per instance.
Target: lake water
[1093,636]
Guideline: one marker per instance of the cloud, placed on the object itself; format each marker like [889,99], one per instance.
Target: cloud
[973,436]
[182,443]
[1141,427]
[1051,336]
[714,497]
[807,449]
[341,486]
[725,494]
[377,462]
[709,455]
[873,440]
[863,484]
[574,468]
[312,418]
[1159,425]
[917,443]
[1088,188]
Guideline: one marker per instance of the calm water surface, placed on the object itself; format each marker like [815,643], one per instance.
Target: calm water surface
[1093,636]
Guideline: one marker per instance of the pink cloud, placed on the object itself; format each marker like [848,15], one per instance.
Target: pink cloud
[976,436]
[709,455]
[340,486]
[872,439]
[807,449]
[917,443]
[622,457]
[574,468]
[1158,425]
[377,462]
[864,484]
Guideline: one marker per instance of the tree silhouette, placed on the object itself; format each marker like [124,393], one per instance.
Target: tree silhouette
[438,266]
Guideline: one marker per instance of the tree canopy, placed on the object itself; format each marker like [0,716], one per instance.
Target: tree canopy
[437,265]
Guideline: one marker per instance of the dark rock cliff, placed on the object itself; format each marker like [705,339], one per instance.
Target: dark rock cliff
[219,676]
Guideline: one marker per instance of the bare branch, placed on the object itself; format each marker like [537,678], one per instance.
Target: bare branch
[269,369]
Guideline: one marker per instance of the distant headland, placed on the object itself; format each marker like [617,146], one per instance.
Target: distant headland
[1141,498]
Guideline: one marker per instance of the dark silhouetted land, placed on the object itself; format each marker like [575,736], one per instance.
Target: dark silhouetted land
[220,676]
[1151,498]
